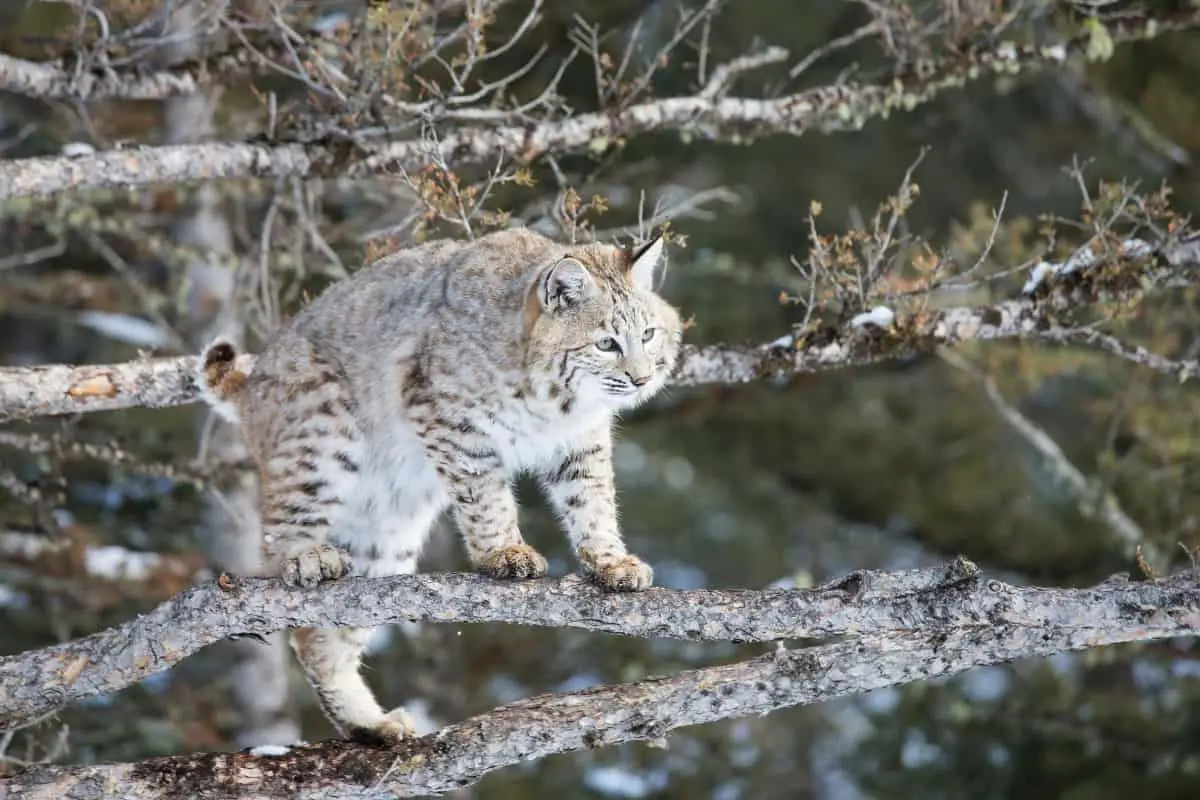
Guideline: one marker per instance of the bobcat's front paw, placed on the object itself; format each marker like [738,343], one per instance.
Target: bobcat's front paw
[311,567]
[617,573]
[516,561]
[395,728]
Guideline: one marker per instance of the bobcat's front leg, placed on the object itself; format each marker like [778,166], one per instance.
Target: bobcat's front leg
[482,500]
[582,489]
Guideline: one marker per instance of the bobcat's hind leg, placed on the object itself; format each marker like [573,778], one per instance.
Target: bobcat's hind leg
[332,661]
[308,473]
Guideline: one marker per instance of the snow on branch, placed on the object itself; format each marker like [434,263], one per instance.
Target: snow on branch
[1131,271]
[709,114]
[908,627]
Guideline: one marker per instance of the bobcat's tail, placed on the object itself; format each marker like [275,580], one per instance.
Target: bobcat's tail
[221,381]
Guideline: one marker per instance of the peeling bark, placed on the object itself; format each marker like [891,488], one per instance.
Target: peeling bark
[61,389]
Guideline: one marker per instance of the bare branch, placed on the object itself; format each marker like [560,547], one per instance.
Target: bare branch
[1183,368]
[723,76]
[48,80]
[36,682]
[831,108]
[1092,498]
[61,389]
[961,624]
[1054,288]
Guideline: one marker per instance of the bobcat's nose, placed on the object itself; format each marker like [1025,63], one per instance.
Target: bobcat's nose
[640,380]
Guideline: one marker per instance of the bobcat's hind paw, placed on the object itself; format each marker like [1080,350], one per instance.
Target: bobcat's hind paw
[393,729]
[310,568]
[617,573]
[516,561]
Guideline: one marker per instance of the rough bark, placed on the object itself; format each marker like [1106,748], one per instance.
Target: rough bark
[51,80]
[865,603]
[61,389]
[945,629]
[829,108]
[1130,273]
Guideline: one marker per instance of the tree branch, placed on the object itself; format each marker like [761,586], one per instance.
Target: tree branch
[1092,498]
[1183,368]
[51,81]
[828,108]
[1128,272]
[864,603]
[943,630]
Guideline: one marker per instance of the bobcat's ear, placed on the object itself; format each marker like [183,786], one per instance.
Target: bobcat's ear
[643,264]
[565,285]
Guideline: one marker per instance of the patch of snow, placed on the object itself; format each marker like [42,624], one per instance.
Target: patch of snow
[23,545]
[77,149]
[879,316]
[1078,260]
[1137,247]
[269,750]
[11,598]
[782,341]
[117,563]
[1038,275]
[124,328]
[614,781]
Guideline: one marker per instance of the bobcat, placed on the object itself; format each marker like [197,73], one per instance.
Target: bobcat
[427,380]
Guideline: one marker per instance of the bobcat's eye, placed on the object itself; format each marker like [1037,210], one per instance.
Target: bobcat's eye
[608,345]
[649,334]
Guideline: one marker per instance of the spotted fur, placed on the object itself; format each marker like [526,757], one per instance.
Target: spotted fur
[429,380]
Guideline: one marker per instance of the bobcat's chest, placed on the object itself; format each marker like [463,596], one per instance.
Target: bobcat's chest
[539,427]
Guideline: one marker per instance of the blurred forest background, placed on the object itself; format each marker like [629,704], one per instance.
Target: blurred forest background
[784,483]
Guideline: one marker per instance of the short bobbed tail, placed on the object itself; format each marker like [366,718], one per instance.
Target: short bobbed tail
[220,379]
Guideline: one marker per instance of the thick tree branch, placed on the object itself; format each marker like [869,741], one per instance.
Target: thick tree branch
[864,603]
[829,108]
[1134,270]
[944,631]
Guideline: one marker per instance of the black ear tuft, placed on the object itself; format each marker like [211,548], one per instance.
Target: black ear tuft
[643,263]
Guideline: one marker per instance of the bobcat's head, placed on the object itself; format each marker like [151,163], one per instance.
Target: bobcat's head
[610,338]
